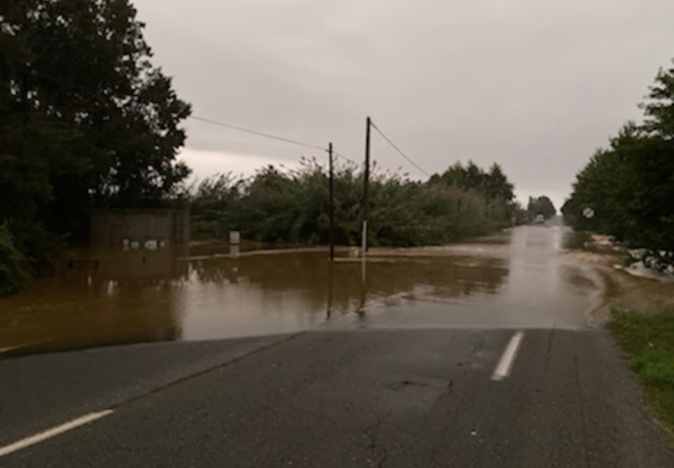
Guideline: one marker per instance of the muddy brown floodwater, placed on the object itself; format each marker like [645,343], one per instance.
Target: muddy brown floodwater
[516,279]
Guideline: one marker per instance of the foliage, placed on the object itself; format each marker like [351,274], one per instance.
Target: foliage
[493,185]
[542,206]
[215,206]
[293,207]
[85,119]
[14,270]
[628,187]
[650,341]
[39,246]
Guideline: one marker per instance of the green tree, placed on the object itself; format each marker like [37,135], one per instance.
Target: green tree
[215,206]
[83,103]
[659,109]
[629,186]
[497,185]
[13,264]
[542,206]
[85,118]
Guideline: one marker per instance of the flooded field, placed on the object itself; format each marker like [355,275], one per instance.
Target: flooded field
[516,279]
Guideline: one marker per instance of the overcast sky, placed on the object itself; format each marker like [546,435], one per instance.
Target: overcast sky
[535,85]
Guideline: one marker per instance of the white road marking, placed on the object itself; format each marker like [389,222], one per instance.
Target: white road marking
[506,363]
[53,432]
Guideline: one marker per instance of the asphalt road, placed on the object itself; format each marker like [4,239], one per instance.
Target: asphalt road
[405,398]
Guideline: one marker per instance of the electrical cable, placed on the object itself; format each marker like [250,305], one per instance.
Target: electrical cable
[388,140]
[268,135]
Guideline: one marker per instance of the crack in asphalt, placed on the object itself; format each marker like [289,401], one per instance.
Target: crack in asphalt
[407,383]
[373,445]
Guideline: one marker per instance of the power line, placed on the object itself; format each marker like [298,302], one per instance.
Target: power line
[398,149]
[267,135]
[256,132]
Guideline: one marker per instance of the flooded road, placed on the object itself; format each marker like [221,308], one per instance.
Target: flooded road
[518,279]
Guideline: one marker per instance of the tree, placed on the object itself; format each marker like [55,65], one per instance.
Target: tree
[123,109]
[542,206]
[493,187]
[659,109]
[630,185]
[497,185]
[85,118]
[494,184]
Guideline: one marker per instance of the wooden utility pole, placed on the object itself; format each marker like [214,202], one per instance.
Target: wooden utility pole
[366,204]
[332,204]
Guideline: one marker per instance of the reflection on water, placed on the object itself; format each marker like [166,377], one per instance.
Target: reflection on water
[157,296]
[542,289]
[125,297]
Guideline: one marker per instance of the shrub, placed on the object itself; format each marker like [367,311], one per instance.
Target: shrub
[14,268]
[293,207]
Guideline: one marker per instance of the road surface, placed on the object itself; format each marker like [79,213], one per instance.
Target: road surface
[410,384]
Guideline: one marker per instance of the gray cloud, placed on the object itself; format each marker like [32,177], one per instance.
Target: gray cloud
[536,86]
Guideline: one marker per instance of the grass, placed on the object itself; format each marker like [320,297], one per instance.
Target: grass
[649,339]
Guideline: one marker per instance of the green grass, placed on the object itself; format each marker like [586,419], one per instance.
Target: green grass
[649,339]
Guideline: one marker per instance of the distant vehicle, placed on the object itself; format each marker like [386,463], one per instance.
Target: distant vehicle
[539,219]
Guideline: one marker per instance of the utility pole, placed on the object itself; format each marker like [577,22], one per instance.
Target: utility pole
[366,205]
[332,205]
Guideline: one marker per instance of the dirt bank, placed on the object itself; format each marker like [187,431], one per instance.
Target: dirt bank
[621,289]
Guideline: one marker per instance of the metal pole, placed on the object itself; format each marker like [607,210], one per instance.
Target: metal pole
[366,206]
[332,204]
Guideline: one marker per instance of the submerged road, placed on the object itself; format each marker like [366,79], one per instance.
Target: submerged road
[415,383]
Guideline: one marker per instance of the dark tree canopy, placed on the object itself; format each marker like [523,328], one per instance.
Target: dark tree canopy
[541,206]
[628,188]
[492,184]
[85,118]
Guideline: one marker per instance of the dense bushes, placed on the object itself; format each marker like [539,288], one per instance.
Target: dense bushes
[627,189]
[13,265]
[293,206]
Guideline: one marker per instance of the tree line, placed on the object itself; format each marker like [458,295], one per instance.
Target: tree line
[293,206]
[627,189]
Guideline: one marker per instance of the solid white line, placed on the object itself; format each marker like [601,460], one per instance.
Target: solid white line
[53,432]
[506,363]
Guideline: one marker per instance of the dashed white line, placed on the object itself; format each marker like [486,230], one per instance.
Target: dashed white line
[506,363]
[53,432]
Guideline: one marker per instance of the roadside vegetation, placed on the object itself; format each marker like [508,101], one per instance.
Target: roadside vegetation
[13,264]
[649,339]
[626,190]
[292,206]
[85,121]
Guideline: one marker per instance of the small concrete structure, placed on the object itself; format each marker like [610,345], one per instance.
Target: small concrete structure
[140,228]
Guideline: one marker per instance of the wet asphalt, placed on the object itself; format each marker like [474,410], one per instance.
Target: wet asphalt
[406,384]
[403,398]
